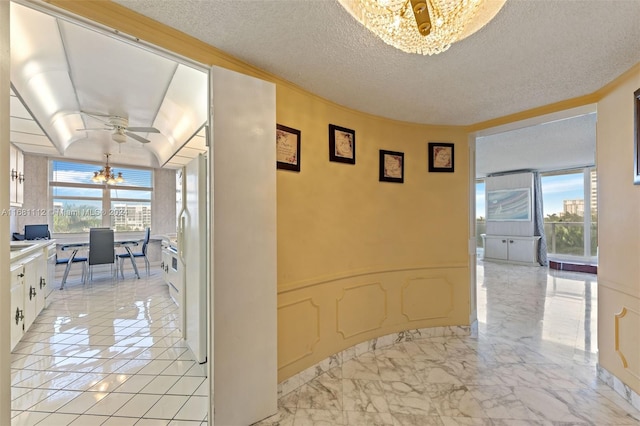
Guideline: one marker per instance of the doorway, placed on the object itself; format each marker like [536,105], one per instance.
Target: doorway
[97,357]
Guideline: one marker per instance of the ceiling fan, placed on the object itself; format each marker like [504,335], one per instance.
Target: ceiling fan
[119,126]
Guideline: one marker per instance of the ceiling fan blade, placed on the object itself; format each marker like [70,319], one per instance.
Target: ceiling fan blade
[136,137]
[143,129]
[93,128]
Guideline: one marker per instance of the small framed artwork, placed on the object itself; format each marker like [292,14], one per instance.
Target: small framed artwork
[391,166]
[342,144]
[441,157]
[287,148]
[636,137]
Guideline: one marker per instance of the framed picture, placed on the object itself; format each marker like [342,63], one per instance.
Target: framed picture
[391,166]
[636,137]
[287,148]
[441,157]
[342,144]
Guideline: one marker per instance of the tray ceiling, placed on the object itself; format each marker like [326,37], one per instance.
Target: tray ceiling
[59,70]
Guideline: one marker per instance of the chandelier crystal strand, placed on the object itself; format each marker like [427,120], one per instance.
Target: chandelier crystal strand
[394,22]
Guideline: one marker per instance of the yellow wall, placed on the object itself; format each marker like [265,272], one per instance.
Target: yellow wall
[618,235]
[357,258]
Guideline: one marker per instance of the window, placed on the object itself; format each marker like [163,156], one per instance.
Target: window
[570,210]
[79,204]
[481,224]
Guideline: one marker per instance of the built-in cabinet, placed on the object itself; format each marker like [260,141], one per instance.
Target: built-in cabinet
[17,303]
[172,275]
[511,248]
[30,280]
[16,177]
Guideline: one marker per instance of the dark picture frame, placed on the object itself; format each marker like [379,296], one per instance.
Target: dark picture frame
[636,137]
[342,144]
[287,148]
[391,166]
[441,157]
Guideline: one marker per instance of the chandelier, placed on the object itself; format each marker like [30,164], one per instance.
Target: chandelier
[106,175]
[426,27]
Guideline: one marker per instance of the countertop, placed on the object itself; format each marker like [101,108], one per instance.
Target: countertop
[21,249]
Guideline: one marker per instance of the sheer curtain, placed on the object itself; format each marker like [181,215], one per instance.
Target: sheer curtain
[538,219]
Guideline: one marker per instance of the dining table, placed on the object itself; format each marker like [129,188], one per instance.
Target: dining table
[77,246]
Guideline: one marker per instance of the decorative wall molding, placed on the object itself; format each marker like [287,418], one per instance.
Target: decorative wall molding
[426,298]
[362,272]
[627,319]
[354,302]
[309,333]
[336,360]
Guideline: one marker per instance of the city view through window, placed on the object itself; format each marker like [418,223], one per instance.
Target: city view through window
[570,212]
[79,204]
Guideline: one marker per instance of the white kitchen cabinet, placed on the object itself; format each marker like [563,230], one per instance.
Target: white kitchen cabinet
[164,264]
[29,275]
[508,248]
[33,297]
[16,177]
[17,303]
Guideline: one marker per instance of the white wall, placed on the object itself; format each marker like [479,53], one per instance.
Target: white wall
[243,256]
[5,355]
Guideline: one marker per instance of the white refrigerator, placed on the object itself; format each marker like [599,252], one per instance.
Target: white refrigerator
[193,249]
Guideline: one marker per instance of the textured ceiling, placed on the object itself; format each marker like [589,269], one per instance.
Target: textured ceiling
[534,53]
[556,145]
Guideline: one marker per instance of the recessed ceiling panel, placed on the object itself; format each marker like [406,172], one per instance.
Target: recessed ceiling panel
[558,145]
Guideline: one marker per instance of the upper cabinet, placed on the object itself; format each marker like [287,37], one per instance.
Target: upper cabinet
[16,177]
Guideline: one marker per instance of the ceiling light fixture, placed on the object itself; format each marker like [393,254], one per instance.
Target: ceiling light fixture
[427,27]
[106,175]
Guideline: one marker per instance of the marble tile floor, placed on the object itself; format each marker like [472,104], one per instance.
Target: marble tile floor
[533,363]
[107,353]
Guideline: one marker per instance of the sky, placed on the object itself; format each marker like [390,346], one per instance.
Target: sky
[555,190]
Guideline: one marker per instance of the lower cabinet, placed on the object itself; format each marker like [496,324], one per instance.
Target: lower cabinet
[166,261]
[172,275]
[28,281]
[33,296]
[511,248]
[17,304]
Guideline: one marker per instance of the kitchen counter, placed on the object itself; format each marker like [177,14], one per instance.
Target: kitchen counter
[20,249]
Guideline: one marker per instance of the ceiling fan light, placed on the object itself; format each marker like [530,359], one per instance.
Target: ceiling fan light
[119,137]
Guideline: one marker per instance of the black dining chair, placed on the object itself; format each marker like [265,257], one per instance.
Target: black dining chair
[76,259]
[142,253]
[101,250]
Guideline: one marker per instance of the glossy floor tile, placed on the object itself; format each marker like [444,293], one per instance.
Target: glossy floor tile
[533,363]
[107,353]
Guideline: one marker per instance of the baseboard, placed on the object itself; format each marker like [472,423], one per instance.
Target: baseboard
[619,387]
[336,360]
